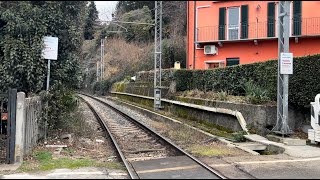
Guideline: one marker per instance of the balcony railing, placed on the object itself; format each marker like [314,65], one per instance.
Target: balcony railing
[258,30]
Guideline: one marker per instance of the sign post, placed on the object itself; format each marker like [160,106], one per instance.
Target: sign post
[49,52]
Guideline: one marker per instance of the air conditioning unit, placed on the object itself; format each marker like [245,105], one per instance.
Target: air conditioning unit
[210,49]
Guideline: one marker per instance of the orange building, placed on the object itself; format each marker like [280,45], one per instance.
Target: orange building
[225,33]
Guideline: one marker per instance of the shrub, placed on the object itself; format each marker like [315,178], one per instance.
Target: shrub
[303,83]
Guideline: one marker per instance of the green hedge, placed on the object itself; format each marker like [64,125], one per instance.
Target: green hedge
[304,84]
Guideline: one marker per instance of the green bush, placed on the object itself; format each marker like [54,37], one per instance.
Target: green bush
[101,87]
[183,79]
[303,84]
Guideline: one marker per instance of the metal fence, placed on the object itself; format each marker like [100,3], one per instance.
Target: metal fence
[257,30]
[34,127]
[3,121]
[8,125]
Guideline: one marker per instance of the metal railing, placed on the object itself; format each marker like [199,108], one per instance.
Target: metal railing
[257,30]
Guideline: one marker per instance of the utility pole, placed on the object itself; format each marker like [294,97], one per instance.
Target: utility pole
[282,126]
[102,60]
[157,54]
[97,71]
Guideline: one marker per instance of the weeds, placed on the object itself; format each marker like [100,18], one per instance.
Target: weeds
[239,136]
[254,93]
[222,95]
[44,162]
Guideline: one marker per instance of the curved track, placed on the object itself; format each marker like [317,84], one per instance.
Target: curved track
[160,157]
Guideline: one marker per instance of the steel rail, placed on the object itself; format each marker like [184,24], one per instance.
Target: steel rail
[130,170]
[159,136]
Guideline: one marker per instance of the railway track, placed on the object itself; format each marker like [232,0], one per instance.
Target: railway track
[144,152]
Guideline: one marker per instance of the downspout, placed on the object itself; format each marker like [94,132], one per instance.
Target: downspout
[188,40]
[195,35]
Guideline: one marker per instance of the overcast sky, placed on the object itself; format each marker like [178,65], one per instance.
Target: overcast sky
[105,9]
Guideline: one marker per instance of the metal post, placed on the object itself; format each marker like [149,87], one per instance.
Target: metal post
[101,57]
[11,125]
[48,77]
[47,103]
[97,71]
[157,54]
[282,126]
[195,33]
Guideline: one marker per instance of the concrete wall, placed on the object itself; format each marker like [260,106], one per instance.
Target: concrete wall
[226,122]
[28,130]
[258,117]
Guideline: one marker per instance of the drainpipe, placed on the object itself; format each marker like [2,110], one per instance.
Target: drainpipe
[188,40]
[195,35]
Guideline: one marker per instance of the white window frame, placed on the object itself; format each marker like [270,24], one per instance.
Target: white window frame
[227,22]
[221,63]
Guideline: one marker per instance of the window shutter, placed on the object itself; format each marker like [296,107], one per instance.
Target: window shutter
[222,23]
[271,19]
[297,17]
[244,21]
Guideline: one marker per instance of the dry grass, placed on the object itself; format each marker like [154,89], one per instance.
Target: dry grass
[126,58]
[213,149]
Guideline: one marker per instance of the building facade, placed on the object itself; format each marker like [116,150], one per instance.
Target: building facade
[226,33]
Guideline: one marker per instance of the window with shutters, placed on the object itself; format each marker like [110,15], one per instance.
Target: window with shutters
[244,21]
[296,18]
[271,20]
[222,23]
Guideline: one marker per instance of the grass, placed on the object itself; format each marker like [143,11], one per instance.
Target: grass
[209,150]
[45,162]
[206,150]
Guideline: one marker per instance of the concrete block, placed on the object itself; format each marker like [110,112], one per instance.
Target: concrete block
[275,138]
[294,142]
[253,146]
[255,137]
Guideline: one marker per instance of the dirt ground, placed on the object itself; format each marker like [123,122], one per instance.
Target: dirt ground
[85,142]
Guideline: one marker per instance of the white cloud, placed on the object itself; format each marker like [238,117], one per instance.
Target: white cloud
[105,9]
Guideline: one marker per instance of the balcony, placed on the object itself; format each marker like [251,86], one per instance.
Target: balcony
[256,31]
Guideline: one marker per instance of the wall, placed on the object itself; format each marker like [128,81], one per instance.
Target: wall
[258,117]
[29,128]
[265,50]
[247,51]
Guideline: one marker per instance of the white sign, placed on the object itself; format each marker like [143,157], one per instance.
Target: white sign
[50,50]
[286,63]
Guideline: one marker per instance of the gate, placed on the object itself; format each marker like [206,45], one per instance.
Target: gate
[7,126]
